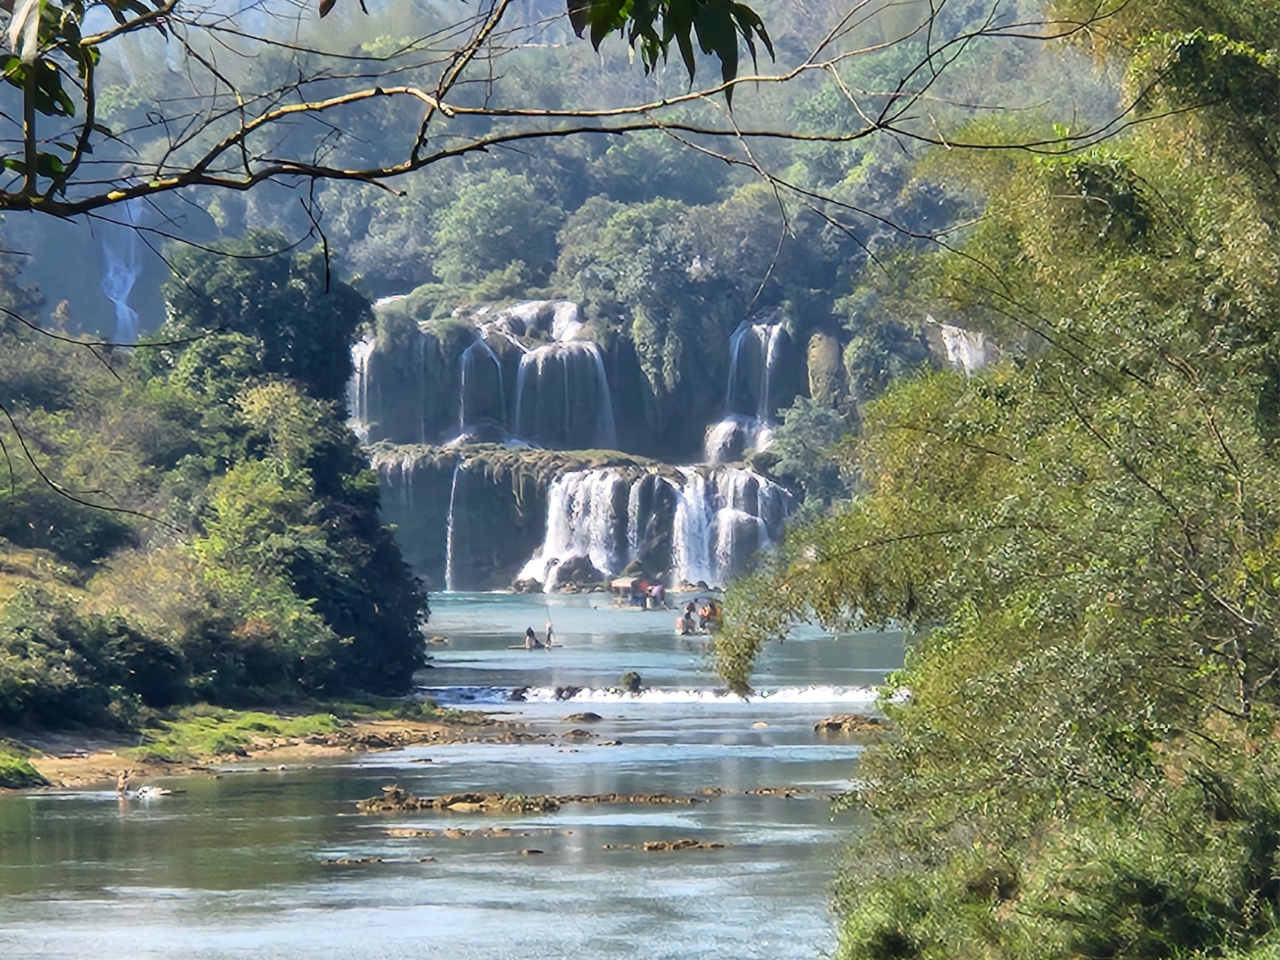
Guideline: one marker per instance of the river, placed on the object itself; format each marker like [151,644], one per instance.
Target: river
[239,866]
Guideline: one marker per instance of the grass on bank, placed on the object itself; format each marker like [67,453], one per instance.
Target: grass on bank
[205,731]
[16,771]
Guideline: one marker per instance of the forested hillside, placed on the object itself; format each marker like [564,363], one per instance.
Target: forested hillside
[193,520]
[1083,536]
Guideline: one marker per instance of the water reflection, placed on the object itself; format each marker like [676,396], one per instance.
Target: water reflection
[239,865]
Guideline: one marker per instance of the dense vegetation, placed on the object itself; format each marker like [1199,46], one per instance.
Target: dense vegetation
[240,556]
[1083,537]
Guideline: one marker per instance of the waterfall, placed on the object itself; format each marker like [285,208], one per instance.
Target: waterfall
[583,520]
[634,531]
[470,408]
[748,391]
[395,469]
[560,319]
[562,397]
[120,270]
[754,353]
[966,349]
[691,536]
[358,388]
[448,535]
[720,517]
[729,438]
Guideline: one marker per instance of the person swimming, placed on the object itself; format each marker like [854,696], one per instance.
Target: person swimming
[531,641]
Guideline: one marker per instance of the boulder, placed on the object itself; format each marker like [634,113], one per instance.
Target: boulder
[849,723]
[631,682]
[575,570]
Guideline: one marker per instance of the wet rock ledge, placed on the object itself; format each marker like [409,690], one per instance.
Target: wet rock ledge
[396,800]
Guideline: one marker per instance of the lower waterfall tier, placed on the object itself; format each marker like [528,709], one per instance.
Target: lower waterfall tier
[479,518]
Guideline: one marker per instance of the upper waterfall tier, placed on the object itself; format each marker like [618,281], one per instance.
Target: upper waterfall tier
[562,398]
[755,355]
[482,380]
[538,372]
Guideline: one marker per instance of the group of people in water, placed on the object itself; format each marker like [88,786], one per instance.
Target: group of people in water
[648,596]
[531,641]
[699,616]
[708,612]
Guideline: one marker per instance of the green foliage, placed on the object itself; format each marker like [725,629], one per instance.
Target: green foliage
[202,731]
[802,453]
[493,223]
[1082,538]
[17,773]
[651,25]
[252,564]
[283,302]
[58,667]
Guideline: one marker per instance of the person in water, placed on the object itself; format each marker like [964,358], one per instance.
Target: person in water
[550,636]
[122,783]
[531,641]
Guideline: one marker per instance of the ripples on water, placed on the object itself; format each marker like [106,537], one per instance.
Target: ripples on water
[235,867]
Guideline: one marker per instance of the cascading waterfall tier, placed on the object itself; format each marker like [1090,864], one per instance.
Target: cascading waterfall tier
[473,422]
[562,397]
[755,351]
[460,382]
[697,524]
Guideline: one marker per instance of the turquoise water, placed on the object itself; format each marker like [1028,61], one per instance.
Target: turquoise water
[236,867]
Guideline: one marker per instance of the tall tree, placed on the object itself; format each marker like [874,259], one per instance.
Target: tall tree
[1083,538]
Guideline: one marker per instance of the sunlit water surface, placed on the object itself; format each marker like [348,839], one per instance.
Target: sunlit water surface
[236,867]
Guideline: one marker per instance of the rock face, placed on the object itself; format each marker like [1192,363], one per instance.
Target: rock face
[827,381]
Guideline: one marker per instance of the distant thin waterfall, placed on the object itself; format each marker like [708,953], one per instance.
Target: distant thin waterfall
[466,402]
[121,266]
[448,535]
[358,387]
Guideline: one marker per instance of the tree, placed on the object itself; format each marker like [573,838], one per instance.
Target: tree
[301,320]
[266,99]
[493,223]
[233,137]
[1082,538]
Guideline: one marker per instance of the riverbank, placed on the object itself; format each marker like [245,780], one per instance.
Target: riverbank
[201,739]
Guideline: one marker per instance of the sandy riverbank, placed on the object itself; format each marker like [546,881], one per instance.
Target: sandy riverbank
[80,760]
